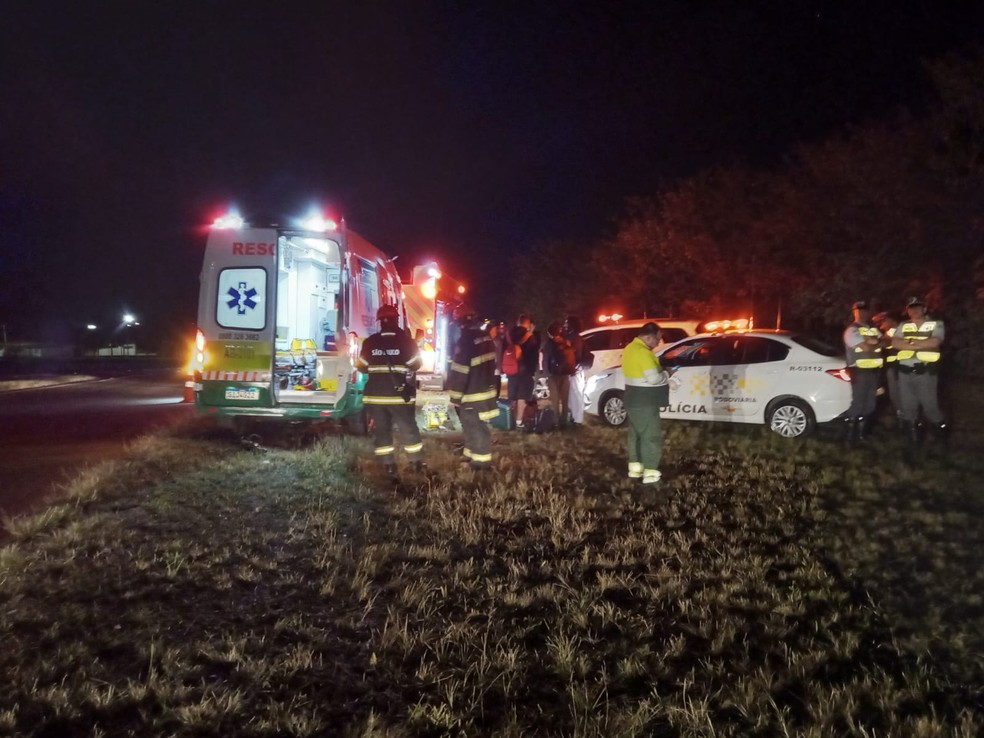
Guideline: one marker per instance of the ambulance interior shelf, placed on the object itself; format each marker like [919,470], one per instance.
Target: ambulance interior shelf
[307,352]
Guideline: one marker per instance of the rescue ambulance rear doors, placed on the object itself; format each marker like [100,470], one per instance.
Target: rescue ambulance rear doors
[281,317]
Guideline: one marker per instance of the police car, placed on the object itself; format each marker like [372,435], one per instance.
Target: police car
[787,380]
[606,342]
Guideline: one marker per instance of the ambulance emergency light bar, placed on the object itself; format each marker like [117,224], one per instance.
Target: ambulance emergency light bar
[315,220]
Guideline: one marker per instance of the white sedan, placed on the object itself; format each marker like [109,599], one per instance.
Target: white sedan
[786,380]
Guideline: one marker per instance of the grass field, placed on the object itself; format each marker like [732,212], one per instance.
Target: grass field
[201,588]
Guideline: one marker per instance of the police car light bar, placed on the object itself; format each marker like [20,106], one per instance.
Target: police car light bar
[742,324]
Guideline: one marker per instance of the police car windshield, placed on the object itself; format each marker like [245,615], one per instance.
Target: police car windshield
[816,345]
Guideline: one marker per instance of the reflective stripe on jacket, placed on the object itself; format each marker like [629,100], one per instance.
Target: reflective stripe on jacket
[471,381]
[390,358]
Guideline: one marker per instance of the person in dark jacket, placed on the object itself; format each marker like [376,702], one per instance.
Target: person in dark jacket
[560,363]
[391,358]
[471,385]
[521,378]
[575,395]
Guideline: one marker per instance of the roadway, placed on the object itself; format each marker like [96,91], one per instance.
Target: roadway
[51,434]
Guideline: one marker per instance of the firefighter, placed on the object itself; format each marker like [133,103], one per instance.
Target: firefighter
[646,391]
[391,358]
[863,346]
[919,340]
[471,385]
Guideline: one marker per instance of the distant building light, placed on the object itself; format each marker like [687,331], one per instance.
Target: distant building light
[91,326]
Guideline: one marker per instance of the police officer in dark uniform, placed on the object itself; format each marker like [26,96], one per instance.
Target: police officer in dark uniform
[863,347]
[391,358]
[471,385]
[919,340]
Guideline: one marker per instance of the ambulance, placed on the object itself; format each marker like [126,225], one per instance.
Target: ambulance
[282,312]
[430,296]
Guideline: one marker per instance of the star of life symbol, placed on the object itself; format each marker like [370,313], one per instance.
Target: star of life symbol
[241,298]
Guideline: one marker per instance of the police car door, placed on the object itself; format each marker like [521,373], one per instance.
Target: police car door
[691,362]
[758,373]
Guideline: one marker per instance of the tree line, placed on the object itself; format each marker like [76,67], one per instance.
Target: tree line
[878,212]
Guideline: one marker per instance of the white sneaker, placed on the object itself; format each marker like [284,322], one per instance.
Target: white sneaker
[651,476]
[635,470]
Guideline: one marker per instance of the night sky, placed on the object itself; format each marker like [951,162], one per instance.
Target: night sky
[462,131]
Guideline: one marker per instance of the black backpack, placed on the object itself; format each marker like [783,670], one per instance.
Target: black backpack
[538,419]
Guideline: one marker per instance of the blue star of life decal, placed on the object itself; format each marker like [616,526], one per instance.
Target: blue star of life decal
[241,298]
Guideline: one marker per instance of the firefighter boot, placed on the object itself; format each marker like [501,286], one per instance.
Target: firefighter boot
[390,470]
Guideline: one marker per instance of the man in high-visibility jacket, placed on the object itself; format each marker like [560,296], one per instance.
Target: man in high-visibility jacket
[391,358]
[919,340]
[646,391]
[863,347]
[471,385]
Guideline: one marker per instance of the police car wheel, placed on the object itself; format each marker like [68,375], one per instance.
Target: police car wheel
[613,409]
[791,418]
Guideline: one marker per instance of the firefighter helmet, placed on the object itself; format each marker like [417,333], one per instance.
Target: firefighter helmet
[387,312]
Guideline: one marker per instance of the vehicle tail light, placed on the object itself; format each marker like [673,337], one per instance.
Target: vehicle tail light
[841,373]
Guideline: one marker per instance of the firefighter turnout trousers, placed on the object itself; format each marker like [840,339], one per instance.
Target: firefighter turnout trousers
[478,437]
[384,417]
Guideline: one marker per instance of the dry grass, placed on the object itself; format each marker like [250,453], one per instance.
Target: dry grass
[778,589]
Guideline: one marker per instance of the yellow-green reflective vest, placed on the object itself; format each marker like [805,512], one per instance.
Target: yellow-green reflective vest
[913,334]
[865,356]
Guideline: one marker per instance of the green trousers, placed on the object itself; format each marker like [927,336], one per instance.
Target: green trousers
[645,441]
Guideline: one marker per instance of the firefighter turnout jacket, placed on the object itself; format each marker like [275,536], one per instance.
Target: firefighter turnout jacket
[472,380]
[390,358]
